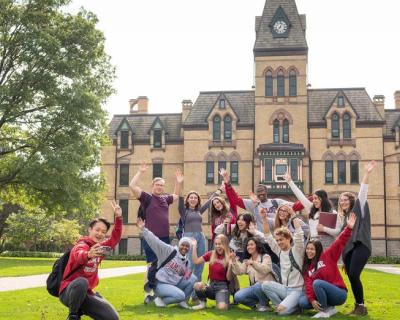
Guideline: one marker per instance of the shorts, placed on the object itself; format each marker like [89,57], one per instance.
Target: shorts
[150,255]
[216,290]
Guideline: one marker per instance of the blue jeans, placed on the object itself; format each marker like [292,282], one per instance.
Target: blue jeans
[282,295]
[327,295]
[201,249]
[170,293]
[251,296]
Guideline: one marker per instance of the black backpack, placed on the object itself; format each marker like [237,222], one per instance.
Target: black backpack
[277,269]
[180,229]
[151,273]
[141,213]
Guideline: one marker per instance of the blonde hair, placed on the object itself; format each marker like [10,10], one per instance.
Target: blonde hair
[225,244]
[283,232]
[278,222]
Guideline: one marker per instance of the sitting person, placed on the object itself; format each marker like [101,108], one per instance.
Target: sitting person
[219,274]
[174,281]
[285,295]
[324,286]
[258,266]
[81,272]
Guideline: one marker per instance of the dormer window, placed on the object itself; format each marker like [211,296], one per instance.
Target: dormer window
[222,104]
[340,101]
[157,142]
[124,139]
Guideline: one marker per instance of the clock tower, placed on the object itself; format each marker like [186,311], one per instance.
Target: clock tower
[281,133]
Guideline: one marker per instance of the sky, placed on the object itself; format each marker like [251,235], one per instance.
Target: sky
[171,50]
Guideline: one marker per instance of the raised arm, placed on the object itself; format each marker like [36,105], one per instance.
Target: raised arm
[181,206]
[206,205]
[362,194]
[268,235]
[307,204]
[298,238]
[117,229]
[195,258]
[137,191]
[178,184]
[231,193]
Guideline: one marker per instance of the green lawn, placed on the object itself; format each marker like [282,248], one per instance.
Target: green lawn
[13,267]
[126,294]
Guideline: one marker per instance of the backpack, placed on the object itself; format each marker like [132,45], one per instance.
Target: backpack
[180,229]
[293,264]
[151,273]
[141,213]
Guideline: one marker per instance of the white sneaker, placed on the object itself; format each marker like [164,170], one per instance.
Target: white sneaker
[184,305]
[263,308]
[321,314]
[331,311]
[200,306]
[159,302]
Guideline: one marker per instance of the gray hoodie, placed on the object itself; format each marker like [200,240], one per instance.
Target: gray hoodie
[175,269]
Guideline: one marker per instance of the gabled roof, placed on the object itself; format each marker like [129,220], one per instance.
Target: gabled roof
[124,125]
[141,123]
[320,100]
[334,103]
[266,44]
[241,102]
[157,124]
[392,117]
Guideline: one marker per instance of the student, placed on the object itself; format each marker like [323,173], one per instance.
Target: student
[191,210]
[284,218]
[221,214]
[81,273]
[258,266]
[324,286]
[239,233]
[285,295]
[174,281]
[219,274]
[358,248]
[320,203]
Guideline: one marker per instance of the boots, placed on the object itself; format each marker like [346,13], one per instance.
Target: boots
[74,316]
[359,310]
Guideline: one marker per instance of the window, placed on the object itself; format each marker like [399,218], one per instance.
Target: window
[329,171]
[340,101]
[234,172]
[276,131]
[292,83]
[157,139]
[227,128]
[124,139]
[294,172]
[346,126]
[210,172]
[341,166]
[281,169]
[268,169]
[124,174]
[222,103]
[123,246]
[217,128]
[221,165]
[281,84]
[157,170]
[285,136]
[354,171]
[268,84]
[335,126]
[124,203]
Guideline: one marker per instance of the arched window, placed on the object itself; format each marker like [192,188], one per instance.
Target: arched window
[276,131]
[292,83]
[285,137]
[227,128]
[335,126]
[346,126]
[268,84]
[281,84]
[217,128]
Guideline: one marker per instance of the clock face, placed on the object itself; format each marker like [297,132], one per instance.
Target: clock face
[280,27]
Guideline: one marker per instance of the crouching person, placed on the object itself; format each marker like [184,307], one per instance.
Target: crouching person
[174,280]
[285,296]
[81,273]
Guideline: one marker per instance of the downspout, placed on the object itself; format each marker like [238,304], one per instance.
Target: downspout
[254,141]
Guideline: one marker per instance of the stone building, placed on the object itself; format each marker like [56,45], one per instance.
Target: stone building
[323,136]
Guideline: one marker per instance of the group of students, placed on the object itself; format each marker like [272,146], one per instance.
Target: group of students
[288,264]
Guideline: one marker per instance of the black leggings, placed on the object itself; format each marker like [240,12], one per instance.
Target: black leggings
[354,263]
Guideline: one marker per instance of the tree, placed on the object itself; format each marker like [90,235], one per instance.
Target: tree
[54,78]
[64,233]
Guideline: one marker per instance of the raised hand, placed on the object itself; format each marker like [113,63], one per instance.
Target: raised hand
[194,242]
[252,228]
[224,174]
[253,198]
[179,175]
[351,220]
[296,223]
[287,177]
[140,223]
[117,209]
[263,214]
[143,167]
[370,166]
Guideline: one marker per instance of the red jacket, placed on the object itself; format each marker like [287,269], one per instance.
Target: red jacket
[327,268]
[234,200]
[88,268]
[232,211]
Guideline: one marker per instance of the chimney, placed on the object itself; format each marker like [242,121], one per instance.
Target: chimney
[397,99]
[139,105]
[379,102]
[186,107]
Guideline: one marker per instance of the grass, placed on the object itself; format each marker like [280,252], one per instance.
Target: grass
[126,294]
[13,267]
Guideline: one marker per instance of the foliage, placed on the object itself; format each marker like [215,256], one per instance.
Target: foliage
[54,78]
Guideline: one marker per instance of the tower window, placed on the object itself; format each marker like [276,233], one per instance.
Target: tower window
[281,84]
[268,84]
[292,83]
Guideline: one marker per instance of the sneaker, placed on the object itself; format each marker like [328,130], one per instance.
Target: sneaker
[148,298]
[321,314]
[159,302]
[74,316]
[263,308]
[184,305]
[331,311]
[200,306]
[195,301]
[360,310]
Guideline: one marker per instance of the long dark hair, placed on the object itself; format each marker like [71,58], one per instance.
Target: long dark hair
[215,213]
[247,217]
[198,200]
[314,261]
[326,205]
[352,199]
[259,247]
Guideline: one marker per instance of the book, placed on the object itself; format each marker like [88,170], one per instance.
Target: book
[327,219]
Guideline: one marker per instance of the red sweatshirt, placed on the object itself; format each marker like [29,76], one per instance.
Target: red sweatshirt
[327,268]
[234,200]
[88,267]
[232,213]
